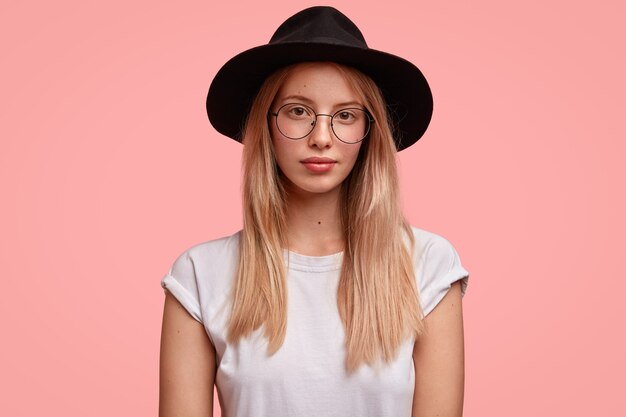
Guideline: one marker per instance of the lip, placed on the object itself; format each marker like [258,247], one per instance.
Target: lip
[318,160]
[318,164]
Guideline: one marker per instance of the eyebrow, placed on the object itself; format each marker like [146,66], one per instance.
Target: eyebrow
[309,101]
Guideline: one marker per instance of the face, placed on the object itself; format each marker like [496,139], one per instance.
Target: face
[323,89]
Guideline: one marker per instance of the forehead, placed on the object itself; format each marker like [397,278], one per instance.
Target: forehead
[319,82]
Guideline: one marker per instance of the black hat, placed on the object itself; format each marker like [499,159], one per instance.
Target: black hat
[320,34]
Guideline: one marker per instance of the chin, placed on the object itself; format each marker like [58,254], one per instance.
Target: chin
[314,187]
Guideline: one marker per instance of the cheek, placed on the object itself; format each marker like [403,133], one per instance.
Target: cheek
[353,153]
[283,151]
[276,143]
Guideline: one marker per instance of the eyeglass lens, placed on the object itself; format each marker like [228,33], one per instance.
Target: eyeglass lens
[296,121]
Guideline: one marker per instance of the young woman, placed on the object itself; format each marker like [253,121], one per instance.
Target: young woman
[327,302]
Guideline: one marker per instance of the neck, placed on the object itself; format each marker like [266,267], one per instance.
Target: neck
[314,223]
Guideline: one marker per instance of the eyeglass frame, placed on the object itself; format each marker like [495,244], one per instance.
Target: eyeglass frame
[332,116]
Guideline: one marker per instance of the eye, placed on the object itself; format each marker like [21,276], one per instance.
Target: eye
[346,116]
[297,111]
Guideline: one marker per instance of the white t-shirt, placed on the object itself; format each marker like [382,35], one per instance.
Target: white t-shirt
[306,376]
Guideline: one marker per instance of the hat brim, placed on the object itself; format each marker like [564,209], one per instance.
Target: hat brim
[404,87]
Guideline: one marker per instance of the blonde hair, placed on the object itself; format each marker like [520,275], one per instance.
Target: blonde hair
[377,295]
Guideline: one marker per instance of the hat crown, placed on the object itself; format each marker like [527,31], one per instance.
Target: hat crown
[319,24]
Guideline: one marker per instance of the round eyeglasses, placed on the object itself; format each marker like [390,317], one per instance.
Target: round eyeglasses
[296,121]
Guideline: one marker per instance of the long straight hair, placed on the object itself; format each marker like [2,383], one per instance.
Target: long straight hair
[377,295]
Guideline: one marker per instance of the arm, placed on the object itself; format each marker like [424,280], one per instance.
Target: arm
[439,360]
[187,364]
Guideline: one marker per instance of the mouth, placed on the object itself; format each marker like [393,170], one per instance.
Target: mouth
[317,164]
[318,160]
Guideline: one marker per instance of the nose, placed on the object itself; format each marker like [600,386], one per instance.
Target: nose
[322,134]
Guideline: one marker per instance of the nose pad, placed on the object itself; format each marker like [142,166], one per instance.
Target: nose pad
[322,134]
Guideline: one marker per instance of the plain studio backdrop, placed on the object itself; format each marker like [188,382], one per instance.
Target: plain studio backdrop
[109,169]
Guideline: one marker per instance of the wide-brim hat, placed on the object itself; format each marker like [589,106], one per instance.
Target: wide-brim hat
[320,34]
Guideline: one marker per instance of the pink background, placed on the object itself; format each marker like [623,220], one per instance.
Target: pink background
[109,169]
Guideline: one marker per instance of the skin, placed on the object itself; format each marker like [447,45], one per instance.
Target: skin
[439,361]
[187,364]
[187,359]
[313,222]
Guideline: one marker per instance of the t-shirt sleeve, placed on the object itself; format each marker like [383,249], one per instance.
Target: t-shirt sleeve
[442,268]
[181,282]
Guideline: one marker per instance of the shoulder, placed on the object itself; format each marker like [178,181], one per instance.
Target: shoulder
[431,245]
[201,261]
[201,275]
[437,266]
[225,246]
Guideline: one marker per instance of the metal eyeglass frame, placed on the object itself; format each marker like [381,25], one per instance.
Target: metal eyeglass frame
[332,116]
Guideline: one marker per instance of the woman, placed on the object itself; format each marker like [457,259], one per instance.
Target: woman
[327,302]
